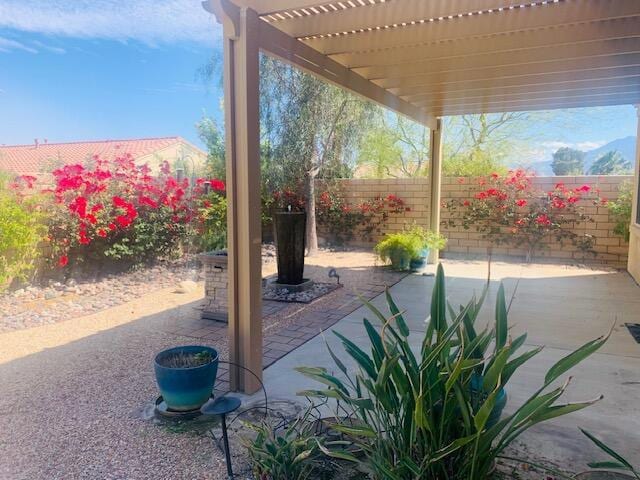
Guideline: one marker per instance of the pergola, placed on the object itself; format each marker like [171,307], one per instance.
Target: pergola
[421,58]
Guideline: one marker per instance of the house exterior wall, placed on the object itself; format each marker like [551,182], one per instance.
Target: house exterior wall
[611,249]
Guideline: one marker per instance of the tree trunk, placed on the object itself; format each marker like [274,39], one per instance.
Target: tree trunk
[312,234]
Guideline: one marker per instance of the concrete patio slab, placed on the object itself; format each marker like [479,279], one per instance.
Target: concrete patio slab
[560,307]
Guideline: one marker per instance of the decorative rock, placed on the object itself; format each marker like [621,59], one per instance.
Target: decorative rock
[186,286]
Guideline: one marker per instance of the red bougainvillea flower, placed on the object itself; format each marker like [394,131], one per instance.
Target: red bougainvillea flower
[521,202]
[583,188]
[217,185]
[495,176]
[112,226]
[63,260]
[101,232]
[573,199]
[543,220]
[466,203]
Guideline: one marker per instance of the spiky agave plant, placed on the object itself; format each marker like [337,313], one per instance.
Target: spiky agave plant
[418,414]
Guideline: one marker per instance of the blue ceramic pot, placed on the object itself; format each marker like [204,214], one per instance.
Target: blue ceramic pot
[189,388]
[421,261]
[501,399]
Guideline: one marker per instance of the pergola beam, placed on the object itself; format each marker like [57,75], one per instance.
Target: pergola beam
[290,50]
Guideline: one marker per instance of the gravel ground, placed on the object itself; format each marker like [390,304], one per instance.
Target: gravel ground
[33,306]
[76,394]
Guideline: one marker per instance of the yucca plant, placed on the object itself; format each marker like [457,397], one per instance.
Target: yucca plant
[426,414]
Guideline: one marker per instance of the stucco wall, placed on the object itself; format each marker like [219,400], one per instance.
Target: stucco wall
[611,248]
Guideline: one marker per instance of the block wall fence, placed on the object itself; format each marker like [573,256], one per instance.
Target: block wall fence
[611,249]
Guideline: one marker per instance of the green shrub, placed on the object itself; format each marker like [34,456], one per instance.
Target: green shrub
[620,209]
[399,249]
[431,240]
[283,452]
[20,232]
[420,415]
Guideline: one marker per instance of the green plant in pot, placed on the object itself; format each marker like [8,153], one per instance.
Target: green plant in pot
[398,249]
[429,241]
[429,411]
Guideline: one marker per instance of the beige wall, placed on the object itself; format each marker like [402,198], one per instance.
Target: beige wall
[633,265]
[611,248]
[194,157]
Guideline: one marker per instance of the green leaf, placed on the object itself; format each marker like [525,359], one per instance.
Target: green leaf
[493,375]
[358,355]
[395,311]
[340,454]
[608,465]
[449,449]
[359,431]
[438,320]
[481,417]
[502,326]
[516,363]
[560,410]
[608,450]
[574,358]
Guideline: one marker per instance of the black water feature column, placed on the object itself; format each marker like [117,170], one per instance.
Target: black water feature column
[290,242]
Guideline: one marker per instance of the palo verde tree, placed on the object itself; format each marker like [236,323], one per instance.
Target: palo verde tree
[394,147]
[476,145]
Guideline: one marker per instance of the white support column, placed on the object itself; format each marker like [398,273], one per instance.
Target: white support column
[633,262]
[435,176]
[244,237]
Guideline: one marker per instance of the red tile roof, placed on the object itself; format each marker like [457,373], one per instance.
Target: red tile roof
[32,159]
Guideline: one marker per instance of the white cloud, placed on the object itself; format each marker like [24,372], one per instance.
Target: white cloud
[148,21]
[50,48]
[584,146]
[7,45]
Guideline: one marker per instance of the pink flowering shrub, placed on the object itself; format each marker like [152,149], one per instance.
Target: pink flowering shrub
[509,210]
[117,211]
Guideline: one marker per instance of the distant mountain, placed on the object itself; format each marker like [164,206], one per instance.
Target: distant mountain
[626,146]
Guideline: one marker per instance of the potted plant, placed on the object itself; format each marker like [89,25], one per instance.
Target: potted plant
[429,240]
[399,249]
[186,376]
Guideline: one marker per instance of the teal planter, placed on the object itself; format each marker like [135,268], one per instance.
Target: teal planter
[185,389]
[399,261]
[501,400]
[421,261]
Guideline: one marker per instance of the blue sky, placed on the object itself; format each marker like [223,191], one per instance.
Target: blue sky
[100,69]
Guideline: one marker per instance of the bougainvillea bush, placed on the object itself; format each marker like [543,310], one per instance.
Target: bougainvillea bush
[342,220]
[117,212]
[509,210]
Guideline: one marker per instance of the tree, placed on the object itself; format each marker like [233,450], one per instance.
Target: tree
[611,163]
[568,161]
[396,147]
[308,129]
[476,145]
[213,138]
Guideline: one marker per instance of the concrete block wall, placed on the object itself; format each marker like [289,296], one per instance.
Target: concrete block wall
[414,191]
[611,249]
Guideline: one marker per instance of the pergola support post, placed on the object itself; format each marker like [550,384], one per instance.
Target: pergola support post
[435,177]
[244,237]
[633,261]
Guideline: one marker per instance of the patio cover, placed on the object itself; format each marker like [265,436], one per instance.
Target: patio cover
[423,59]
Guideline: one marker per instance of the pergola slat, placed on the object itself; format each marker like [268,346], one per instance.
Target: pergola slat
[512,71]
[629,86]
[463,48]
[632,76]
[539,55]
[550,16]
[550,79]
[387,13]
[550,105]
